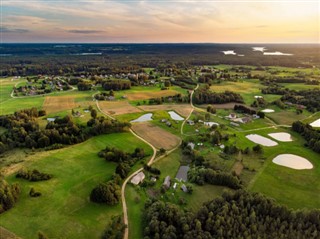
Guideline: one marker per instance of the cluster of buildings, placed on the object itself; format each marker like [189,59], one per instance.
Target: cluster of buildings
[181,177]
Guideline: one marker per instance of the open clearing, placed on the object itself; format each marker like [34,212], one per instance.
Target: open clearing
[144,95]
[183,109]
[117,107]
[157,136]
[287,117]
[64,209]
[54,104]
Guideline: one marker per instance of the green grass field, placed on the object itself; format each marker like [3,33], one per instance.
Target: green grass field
[294,188]
[248,89]
[64,209]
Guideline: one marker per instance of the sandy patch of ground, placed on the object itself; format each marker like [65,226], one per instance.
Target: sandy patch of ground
[181,109]
[150,94]
[54,104]
[157,136]
[117,107]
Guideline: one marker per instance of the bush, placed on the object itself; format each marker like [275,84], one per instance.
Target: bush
[33,176]
[108,193]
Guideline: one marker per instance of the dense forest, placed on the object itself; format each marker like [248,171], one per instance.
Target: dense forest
[311,135]
[72,59]
[237,214]
[308,98]
[23,130]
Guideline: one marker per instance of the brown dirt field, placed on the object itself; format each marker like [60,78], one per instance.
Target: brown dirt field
[158,137]
[117,107]
[150,94]
[183,109]
[54,104]
[5,234]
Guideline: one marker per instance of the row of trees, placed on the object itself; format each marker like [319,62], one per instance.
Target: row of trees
[237,214]
[33,175]
[201,175]
[204,96]
[244,109]
[178,98]
[311,135]
[116,85]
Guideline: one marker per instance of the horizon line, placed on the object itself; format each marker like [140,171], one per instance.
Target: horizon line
[318,43]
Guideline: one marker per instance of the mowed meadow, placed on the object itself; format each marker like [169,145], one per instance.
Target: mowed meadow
[64,209]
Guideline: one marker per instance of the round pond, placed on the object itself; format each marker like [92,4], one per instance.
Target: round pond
[267,111]
[143,118]
[258,139]
[315,123]
[175,116]
[292,161]
[283,137]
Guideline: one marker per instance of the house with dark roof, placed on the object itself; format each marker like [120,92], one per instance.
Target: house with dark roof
[182,174]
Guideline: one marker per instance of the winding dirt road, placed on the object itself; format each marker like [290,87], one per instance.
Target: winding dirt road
[150,162]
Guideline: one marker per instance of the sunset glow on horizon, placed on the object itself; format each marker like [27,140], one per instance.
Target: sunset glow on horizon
[160,21]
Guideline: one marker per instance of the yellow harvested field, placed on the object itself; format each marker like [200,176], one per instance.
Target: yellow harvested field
[158,137]
[182,109]
[53,104]
[144,95]
[239,87]
[117,107]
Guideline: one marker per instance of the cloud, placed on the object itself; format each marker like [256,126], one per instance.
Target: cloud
[85,31]
[13,30]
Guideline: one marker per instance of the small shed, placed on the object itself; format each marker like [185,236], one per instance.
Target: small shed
[167,182]
[174,185]
[51,119]
[190,122]
[191,145]
[184,188]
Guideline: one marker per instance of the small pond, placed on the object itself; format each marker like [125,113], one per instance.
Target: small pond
[229,52]
[267,111]
[175,116]
[262,49]
[292,161]
[315,123]
[276,53]
[143,118]
[283,137]
[258,139]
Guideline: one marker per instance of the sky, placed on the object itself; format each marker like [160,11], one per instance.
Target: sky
[160,21]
